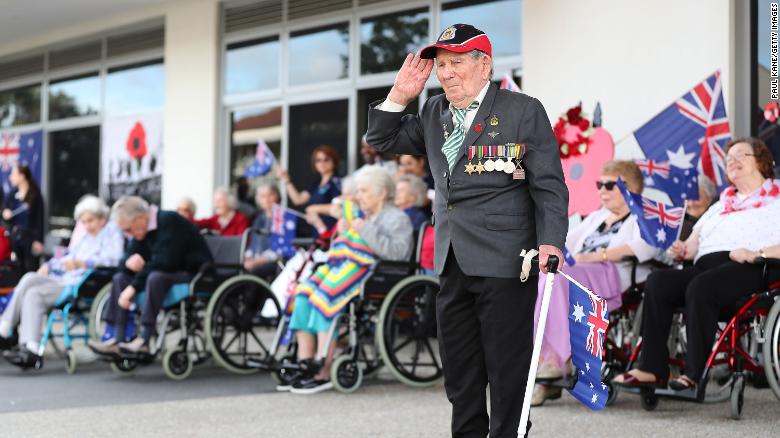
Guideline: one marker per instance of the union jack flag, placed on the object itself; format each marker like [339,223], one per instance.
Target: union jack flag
[659,224]
[598,324]
[9,150]
[691,132]
[665,215]
[652,168]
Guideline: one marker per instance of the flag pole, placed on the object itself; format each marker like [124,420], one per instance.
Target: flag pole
[552,267]
[679,229]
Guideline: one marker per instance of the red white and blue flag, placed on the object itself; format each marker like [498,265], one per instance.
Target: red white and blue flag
[507,83]
[690,135]
[263,162]
[283,225]
[588,325]
[20,148]
[659,224]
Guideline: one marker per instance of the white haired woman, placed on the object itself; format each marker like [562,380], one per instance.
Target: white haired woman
[227,220]
[101,245]
[387,233]
[410,196]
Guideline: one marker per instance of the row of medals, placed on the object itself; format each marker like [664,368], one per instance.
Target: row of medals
[498,165]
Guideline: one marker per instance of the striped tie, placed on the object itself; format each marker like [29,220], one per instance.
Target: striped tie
[451,147]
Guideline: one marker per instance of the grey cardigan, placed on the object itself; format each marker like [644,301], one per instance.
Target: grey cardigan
[389,234]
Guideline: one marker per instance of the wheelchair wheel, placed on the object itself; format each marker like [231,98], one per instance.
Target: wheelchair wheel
[737,397]
[236,329]
[346,374]
[70,361]
[177,364]
[123,367]
[771,348]
[406,332]
[96,327]
[648,399]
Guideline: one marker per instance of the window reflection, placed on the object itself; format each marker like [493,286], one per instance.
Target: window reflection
[20,106]
[252,66]
[317,55]
[364,98]
[74,97]
[385,40]
[501,20]
[248,128]
[134,88]
[74,168]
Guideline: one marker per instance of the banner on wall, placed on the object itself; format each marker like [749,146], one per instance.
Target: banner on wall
[131,156]
[20,148]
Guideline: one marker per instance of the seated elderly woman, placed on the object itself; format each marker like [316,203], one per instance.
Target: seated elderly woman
[598,245]
[383,233]
[410,196]
[736,230]
[695,208]
[187,208]
[227,221]
[101,245]
[260,259]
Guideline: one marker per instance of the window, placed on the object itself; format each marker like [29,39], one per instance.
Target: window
[74,169]
[248,128]
[386,40]
[501,20]
[366,97]
[317,55]
[252,66]
[20,106]
[311,125]
[135,88]
[74,97]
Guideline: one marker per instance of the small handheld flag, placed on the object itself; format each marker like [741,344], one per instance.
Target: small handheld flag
[659,224]
[263,162]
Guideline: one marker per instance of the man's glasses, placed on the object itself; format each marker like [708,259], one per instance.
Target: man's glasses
[609,185]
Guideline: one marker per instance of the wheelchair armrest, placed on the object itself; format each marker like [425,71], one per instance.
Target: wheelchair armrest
[303,242]
[630,259]
[770,262]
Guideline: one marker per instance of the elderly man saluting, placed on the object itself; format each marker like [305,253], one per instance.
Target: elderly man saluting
[499,190]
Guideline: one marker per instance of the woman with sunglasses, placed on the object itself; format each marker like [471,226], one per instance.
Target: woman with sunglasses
[740,227]
[597,244]
[317,198]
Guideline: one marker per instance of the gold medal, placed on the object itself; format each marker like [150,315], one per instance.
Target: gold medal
[494,121]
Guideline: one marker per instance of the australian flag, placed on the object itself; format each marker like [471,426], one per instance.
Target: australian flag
[679,184]
[263,162]
[25,149]
[588,324]
[507,83]
[659,223]
[690,134]
[282,231]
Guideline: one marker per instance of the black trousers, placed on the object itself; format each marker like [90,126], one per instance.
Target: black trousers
[485,337]
[157,285]
[707,291]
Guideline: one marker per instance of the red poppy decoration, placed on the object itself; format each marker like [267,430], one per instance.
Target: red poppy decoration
[136,141]
[478,128]
[573,132]
[771,111]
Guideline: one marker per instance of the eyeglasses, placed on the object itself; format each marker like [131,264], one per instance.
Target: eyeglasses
[738,156]
[322,160]
[609,185]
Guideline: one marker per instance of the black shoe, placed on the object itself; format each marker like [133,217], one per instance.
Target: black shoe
[311,386]
[289,380]
[23,358]
[7,343]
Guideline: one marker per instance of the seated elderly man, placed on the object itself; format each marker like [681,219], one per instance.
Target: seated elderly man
[410,196]
[187,208]
[736,230]
[100,245]
[378,231]
[165,250]
[227,220]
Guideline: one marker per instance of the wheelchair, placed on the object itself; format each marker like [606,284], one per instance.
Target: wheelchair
[771,338]
[392,323]
[735,355]
[217,315]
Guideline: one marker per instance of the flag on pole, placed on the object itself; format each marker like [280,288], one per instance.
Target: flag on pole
[588,324]
[283,225]
[659,224]
[691,132]
[507,83]
[263,162]
[567,257]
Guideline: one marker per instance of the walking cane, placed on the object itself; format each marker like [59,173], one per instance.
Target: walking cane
[552,268]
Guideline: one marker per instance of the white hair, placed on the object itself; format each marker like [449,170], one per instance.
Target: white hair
[476,55]
[417,186]
[128,208]
[708,187]
[190,204]
[378,179]
[91,204]
[231,198]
